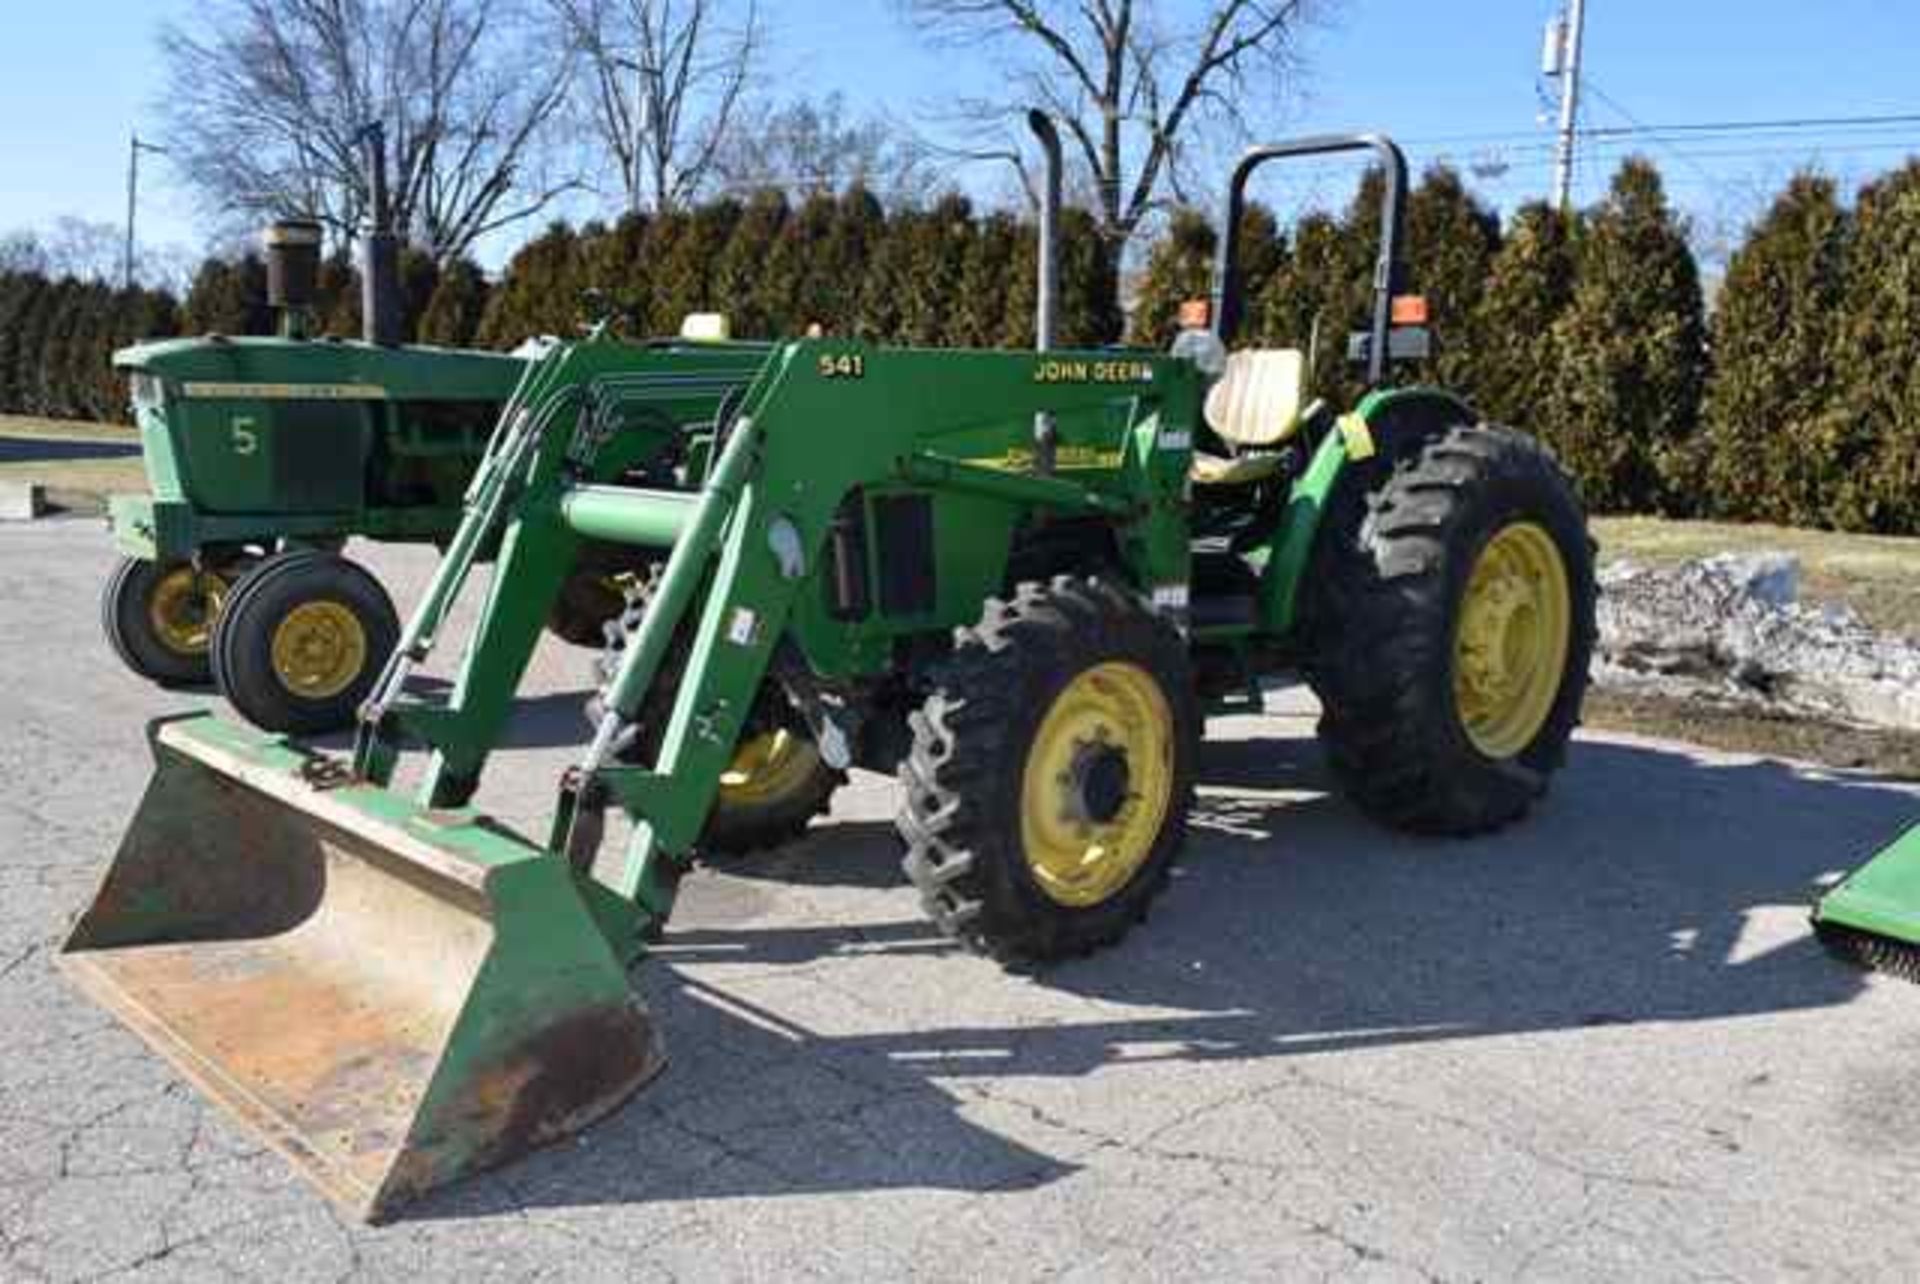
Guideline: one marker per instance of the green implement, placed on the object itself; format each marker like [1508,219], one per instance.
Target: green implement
[1873,917]
[1018,581]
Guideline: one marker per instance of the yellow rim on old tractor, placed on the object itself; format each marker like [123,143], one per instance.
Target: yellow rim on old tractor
[1098,783]
[319,649]
[768,768]
[182,608]
[1510,647]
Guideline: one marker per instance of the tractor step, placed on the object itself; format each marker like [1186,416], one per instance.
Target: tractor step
[391,997]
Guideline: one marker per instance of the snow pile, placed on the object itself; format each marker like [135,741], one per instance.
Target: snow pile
[1733,627]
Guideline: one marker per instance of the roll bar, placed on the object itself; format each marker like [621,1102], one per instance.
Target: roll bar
[1227,302]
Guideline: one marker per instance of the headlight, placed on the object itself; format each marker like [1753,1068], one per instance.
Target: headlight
[147,389]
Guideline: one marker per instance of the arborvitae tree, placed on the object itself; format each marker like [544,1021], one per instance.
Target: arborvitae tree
[1022,298]
[739,275]
[1303,303]
[683,274]
[888,278]
[1090,315]
[20,293]
[1179,268]
[859,227]
[792,291]
[540,293]
[1529,286]
[1263,252]
[336,297]
[1765,454]
[1451,242]
[229,298]
[419,278]
[936,245]
[459,304]
[980,313]
[1632,353]
[1872,438]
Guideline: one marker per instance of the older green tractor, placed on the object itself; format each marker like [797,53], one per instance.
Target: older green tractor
[1020,581]
[264,456]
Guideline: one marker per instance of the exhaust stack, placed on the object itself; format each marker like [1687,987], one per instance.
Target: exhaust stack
[380,255]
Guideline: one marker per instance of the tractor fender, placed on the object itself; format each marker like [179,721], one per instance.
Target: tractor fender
[1386,424]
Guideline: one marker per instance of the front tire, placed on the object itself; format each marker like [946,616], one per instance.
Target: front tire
[1047,791]
[301,642]
[159,618]
[1451,627]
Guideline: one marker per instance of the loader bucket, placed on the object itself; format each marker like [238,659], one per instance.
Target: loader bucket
[1873,916]
[391,997]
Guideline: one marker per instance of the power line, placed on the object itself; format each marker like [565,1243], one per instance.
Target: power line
[1732,127]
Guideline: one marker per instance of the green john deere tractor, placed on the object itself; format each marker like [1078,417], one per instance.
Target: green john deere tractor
[263,456]
[1019,580]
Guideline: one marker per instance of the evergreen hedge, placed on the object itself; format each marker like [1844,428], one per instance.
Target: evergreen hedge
[1798,403]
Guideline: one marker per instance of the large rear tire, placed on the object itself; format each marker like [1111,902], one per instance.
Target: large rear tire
[1047,791]
[301,642]
[159,618]
[1451,626]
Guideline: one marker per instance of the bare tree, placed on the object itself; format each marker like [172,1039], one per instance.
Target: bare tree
[1138,85]
[80,248]
[810,145]
[267,99]
[664,82]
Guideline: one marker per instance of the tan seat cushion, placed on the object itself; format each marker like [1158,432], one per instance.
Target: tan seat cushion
[1217,470]
[1258,400]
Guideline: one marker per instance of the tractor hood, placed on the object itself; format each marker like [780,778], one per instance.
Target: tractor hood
[326,370]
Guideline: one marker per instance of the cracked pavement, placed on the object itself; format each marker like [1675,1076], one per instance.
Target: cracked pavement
[1599,1045]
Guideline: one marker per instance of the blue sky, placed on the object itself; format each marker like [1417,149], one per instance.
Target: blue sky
[75,78]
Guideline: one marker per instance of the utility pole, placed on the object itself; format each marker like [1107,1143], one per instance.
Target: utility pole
[133,203]
[1573,27]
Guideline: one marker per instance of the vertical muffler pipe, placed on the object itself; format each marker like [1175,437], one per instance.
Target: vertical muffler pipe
[1046,436]
[380,254]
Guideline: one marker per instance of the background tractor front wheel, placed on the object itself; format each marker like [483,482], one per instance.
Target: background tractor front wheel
[1047,792]
[1451,625]
[777,782]
[159,618]
[301,641]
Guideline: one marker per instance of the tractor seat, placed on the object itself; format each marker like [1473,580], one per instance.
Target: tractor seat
[1256,403]
[1239,470]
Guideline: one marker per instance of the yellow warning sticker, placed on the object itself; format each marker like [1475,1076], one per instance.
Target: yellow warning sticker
[1358,437]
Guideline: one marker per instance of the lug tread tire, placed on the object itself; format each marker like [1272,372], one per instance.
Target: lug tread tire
[1384,587]
[962,780]
[242,651]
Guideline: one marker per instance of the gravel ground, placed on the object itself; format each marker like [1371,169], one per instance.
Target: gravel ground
[1599,1045]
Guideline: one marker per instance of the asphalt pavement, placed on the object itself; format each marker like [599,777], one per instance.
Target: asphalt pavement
[1599,1045]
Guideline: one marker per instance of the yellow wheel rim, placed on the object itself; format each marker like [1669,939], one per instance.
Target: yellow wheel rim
[1098,784]
[1510,649]
[319,649]
[768,768]
[182,608]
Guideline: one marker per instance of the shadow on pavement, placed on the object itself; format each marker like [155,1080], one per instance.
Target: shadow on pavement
[1292,926]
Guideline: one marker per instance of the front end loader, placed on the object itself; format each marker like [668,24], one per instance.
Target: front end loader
[1019,581]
